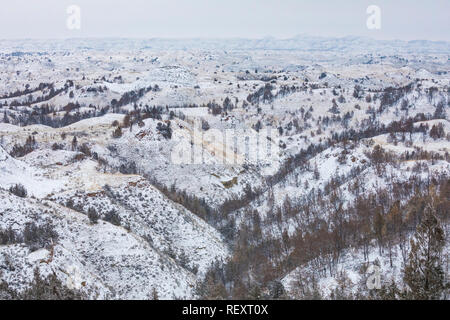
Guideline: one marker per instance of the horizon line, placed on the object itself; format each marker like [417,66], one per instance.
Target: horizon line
[318,37]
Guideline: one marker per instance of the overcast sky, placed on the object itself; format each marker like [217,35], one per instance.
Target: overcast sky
[400,19]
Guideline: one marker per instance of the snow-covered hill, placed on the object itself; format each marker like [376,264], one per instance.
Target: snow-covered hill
[219,168]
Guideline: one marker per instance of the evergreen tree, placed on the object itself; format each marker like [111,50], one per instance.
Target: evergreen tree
[74,143]
[423,273]
[93,215]
[155,295]
[5,117]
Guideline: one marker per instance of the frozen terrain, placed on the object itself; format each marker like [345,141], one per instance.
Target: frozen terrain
[135,169]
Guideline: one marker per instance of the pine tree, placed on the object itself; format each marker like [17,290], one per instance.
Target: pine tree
[316,172]
[155,295]
[5,117]
[93,215]
[74,143]
[394,229]
[423,273]
[379,225]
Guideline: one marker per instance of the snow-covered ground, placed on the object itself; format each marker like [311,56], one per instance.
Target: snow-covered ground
[253,124]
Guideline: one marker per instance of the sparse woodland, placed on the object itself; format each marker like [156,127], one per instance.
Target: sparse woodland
[360,178]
